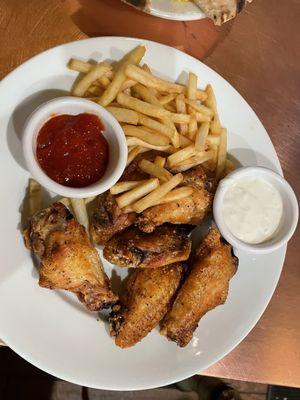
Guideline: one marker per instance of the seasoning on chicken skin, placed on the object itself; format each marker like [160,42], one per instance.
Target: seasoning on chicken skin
[68,259]
[146,300]
[205,288]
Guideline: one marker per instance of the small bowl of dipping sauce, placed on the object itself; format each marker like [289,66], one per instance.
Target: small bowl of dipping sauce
[74,147]
[255,209]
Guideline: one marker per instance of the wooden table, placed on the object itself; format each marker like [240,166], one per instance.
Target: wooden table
[259,54]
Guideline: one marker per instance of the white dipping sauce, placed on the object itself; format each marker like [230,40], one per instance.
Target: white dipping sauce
[252,209]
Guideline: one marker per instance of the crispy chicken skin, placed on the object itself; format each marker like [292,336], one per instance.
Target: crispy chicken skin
[68,259]
[136,249]
[146,300]
[108,219]
[205,288]
[190,210]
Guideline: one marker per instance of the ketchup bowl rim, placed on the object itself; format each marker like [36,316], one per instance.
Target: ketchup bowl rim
[76,105]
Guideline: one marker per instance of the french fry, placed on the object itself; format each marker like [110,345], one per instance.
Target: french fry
[201,95]
[134,57]
[134,141]
[166,99]
[124,186]
[80,212]
[157,194]
[201,136]
[181,155]
[124,115]
[132,154]
[212,139]
[156,126]
[104,80]
[180,118]
[137,192]
[192,162]
[222,152]
[184,141]
[154,138]
[192,86]
[127,84]
[210,102]
[192,127]
[141,106]
[181,108]
[65,201]
[160,161]
[229,167]
[200,107]
[94,73]
[176,194]
[147,79]
[146,94]
[154,170]
[80,66]
[94,91]
[89,199]
[211,164]
[34,197]
[170,107]
[202,117]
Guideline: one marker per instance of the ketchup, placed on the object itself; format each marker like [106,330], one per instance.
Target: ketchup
[72,150]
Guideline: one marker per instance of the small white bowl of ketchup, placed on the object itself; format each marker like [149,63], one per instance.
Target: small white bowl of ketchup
[74,147]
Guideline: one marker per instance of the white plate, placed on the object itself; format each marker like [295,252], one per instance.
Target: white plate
[176,10]
[51,329]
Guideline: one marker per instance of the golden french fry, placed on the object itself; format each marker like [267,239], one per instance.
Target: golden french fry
[89,199]
[192,127]
[222,153]
[201,136]
[147,79]
[154,170]
[132,154]
[181,108]
[200,107]
[127,84]
[160,161]
[146,94]
[192,162]
[192,88]
[202,117]
[184,141]
[212,139]
[94,73]
[124,186]
[176,194]
[137,192]
[141,106]
[176,140]
[157,194]
[211,164]
[201,95]
[34,196]
[144,134]
[124,115]
[167,99]
[170,107]
[80,66]
[156,126]
[104,80]
[181,155]
[94,91]
[180,118]
[80,212]
[134,141]
[134,57]
[211,102]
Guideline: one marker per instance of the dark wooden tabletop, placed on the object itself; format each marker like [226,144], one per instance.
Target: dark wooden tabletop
[258,53]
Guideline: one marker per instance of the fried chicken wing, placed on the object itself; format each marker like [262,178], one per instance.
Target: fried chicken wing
[205,288]
[148,295]
[68,259]
[108,219]
[133,248]
[190,210]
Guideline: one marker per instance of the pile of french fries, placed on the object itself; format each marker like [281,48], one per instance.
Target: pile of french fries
[181,121]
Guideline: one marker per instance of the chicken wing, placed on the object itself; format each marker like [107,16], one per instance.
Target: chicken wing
[148,295]
[205,288]
[190,210]
[136,249]
[68,259]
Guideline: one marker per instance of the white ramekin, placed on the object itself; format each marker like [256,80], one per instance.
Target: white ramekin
[113,133]
[290,209]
